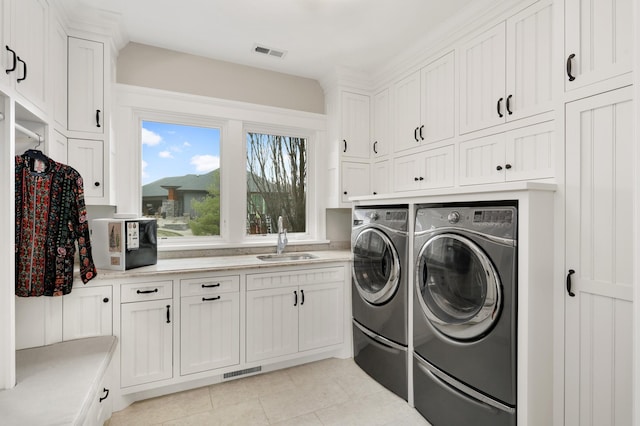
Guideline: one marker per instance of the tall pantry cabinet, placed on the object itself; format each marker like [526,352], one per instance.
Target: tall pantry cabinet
[600,191]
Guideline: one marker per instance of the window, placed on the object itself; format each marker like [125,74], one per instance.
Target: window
[276,183]
[181,178]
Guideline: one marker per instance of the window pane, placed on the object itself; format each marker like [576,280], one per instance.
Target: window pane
[181,178]
[276,183]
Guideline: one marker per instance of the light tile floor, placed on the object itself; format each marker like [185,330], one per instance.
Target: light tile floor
[328,392]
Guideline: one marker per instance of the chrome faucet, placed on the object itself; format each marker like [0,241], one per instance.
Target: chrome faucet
[282,237]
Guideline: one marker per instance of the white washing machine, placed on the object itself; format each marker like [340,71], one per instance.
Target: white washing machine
[465,314]
[379,242]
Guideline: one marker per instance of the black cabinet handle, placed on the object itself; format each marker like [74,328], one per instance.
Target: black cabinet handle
[302,293]
[569,73]
[14,63]
[571,293]
[421,128]
[96,184]
[24,69]
[415,179]
[204,299]
[106,395]
[345,192]
[499,168]
[415,134]
[375,193]
[420,178]
[168,314]
[105,300]
[499,107]
[98,118]
[155,290]
[345,145]
[210,285]
[295,296]
[375,151]
[509,104]
[507,166]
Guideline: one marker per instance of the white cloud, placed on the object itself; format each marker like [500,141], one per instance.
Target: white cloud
[150,138]
[186,144]
[165,154]
[205,163]
[144,169]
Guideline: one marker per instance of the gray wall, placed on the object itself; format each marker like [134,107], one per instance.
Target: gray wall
[148,66]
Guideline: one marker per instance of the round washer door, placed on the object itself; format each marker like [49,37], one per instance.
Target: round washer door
[458,287]
[376,267]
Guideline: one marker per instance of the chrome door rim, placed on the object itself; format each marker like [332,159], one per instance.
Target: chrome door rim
[486,316]
[392,283]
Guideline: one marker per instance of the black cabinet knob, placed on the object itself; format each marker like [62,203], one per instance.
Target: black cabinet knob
[507,166]
[499,168]
[96,184]
[105,300]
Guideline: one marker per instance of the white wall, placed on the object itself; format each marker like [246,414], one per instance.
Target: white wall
[147,66]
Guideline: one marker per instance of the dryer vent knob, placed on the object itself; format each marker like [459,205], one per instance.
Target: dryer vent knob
[454,217]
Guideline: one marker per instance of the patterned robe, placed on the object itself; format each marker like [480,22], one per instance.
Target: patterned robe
[50,217]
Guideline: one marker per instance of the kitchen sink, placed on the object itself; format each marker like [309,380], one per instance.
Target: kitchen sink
[285,257]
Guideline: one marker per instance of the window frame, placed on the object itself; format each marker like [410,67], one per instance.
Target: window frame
[137,104]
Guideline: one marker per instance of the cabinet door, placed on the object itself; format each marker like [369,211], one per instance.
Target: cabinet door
[529,58]
[600,189]
[530,152]
[482,160]
[30,29]
[598,40]
[355,125]
[355,180]
[6,56]
[146,342]
[482,80]
[438,95]
[86,156]
[406,173]
[436,168]
[406,98]
[272,323]
[321,315]
[380,178]
[86,85]
[209,332]
[87,312]
[381,124]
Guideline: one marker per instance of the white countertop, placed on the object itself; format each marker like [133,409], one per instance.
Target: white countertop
[56,384]
[224,263]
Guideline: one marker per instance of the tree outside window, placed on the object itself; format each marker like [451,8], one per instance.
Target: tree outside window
[276,182]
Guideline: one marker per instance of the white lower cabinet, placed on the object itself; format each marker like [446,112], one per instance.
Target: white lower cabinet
[209,323]
[101,407]
[294,311]
[521,154]
[87,312]
[146,334]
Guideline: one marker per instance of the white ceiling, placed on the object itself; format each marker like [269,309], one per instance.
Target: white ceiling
[317,35]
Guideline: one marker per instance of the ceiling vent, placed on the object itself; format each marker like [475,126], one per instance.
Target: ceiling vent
[258,48]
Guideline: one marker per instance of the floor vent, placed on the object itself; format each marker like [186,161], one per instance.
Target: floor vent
[242,372]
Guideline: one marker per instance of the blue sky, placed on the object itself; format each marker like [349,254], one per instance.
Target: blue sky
[178,150]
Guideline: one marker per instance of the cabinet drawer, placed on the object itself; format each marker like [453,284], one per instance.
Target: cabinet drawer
[294,278]
[209,285]
[154,290]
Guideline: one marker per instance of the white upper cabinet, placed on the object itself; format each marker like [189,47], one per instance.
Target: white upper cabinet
[598,40]
[522,154]
[86,85]
[424,105]
[355,179]
[355,125]
[505,73]
[25,35]
[381,124]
